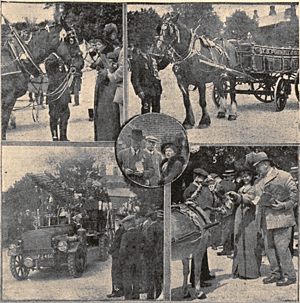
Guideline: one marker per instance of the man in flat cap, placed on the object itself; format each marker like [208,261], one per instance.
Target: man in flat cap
[130,255]
[156,157]
[135,163]
[199,193]
[275,194]
[223,187]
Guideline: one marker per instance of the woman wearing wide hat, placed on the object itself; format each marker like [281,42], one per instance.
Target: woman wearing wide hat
[173,164]
[247,249]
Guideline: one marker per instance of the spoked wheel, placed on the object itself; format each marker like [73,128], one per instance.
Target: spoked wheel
[77,263]
[297,85]
[216,94]
[264,91]
[18,269]
[282,91]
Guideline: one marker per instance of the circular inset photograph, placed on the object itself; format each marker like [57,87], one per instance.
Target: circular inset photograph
[152,149]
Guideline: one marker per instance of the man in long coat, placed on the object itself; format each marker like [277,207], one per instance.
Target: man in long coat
[145,79]
[134,162]
[130,255]
[199,193]
[275,194]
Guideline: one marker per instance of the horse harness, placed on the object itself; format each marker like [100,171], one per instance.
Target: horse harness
[193,213]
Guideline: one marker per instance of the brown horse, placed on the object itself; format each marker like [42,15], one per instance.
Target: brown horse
[197,61]
[189,232]
[17,66]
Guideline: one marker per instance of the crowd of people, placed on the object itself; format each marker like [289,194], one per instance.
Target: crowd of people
[137,256]
[257,207]
[144,164]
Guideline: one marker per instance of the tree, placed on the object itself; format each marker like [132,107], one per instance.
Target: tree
[239,24]
[142,27]
[200,16]
[89,19]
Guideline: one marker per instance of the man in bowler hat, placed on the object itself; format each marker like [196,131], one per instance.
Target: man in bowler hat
[134,162]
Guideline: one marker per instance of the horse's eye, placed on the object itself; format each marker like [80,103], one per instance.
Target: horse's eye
[164,27]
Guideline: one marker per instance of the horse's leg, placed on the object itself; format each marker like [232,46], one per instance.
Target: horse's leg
[8,103]
[189,120]
[233,105]
[205,119]
[223,105]
[186,271]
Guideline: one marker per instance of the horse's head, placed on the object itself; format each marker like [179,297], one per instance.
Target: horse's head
[168,32]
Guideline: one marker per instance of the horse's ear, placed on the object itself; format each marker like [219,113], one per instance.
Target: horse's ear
[158,29]
[64,24]
[174,17]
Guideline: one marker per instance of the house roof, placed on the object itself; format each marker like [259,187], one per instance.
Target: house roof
[273,20]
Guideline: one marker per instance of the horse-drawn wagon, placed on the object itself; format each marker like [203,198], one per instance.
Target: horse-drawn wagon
[269,72]
[64,229]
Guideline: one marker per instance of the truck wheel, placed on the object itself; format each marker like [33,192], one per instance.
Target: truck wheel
[77,263]
[17,268]
[103,248]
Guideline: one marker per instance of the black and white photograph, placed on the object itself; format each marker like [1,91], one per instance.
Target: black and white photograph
[152,150]
[61,71]
[227,72]
[234,225]
[74,228]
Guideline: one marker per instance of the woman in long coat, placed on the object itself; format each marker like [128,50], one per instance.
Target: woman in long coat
[106,112]
[247,249]
[173,164]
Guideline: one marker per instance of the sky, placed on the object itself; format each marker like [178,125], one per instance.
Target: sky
[19,160]
[223,10]
[17,12]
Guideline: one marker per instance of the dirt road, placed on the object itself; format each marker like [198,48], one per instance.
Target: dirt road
[226,289]
[79,129]
[257,123]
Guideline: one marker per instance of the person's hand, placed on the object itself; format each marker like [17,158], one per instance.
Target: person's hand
[128,171]
[138,173]
[141,95]
[189,203]
[232,195]
[277,205]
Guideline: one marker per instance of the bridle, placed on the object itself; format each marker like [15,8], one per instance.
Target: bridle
[170,49]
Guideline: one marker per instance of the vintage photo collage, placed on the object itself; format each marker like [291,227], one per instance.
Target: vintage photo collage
[149,151]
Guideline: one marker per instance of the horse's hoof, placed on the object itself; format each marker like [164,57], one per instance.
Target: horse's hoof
[186,295]
[202,126]
[187,126]
[201,295]
[221,115]
[232,117]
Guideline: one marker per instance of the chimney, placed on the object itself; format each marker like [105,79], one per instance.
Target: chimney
[272,11]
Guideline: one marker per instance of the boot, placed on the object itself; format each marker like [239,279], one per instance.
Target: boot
[54,132]
[91,114]
[63,132]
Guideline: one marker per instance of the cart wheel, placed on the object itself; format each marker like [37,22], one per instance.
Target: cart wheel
[282,91]
[297,85]
[103,248]
[17,268]
[77,263]
[215,92]
[261,89]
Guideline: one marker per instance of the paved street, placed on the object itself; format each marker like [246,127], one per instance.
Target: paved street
[257,122]
[226,289]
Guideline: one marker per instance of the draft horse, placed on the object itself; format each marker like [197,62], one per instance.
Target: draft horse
[21,59]
[189,236]
[197,61]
